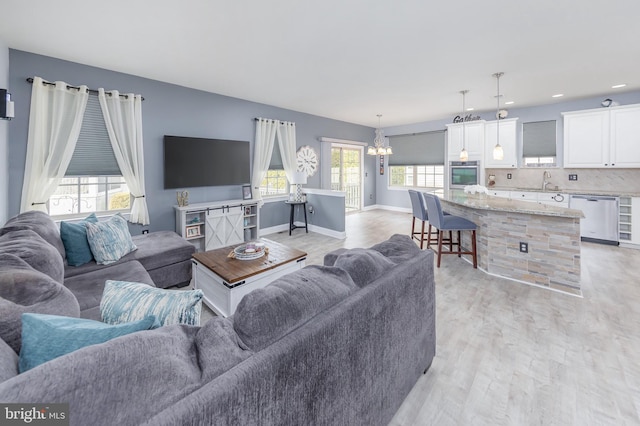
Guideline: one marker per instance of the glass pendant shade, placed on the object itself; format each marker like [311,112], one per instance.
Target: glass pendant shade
[464,155]
[498,152]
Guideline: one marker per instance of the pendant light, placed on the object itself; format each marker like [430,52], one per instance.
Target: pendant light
[464,155]
[498,152]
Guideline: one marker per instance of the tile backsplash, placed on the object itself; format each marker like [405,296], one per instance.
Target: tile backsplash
[600,180]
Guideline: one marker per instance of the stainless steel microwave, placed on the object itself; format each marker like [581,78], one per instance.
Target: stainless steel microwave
[463,173]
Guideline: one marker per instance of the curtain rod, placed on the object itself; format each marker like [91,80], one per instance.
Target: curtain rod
[95,92]
[281,122]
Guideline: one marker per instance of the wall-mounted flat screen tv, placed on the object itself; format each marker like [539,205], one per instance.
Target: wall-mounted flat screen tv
[191,162]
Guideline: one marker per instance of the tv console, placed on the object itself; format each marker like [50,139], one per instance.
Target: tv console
[218,224]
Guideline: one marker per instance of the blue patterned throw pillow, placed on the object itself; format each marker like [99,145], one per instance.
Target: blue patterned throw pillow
[124,301]
[110,240]
[46,337]
[74,238]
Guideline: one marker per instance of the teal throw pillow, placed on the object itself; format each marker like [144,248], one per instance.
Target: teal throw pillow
[46,337]
[124,301]
[74,238]
[110,240]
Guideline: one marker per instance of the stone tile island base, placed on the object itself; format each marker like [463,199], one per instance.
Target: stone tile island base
[552,234]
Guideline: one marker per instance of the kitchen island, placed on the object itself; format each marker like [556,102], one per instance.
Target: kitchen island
[551,237]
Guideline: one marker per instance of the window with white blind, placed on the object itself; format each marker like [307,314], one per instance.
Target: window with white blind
[275,180]
[418,161]
[539,143]
[93,181]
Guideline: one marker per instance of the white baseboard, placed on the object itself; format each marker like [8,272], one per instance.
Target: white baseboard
[390,208]
[325,231]
[312,228]
[274,229]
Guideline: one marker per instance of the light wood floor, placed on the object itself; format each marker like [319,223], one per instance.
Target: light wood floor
[512,354]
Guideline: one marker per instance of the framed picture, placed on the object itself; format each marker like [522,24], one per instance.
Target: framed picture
[246,192]
[193,231]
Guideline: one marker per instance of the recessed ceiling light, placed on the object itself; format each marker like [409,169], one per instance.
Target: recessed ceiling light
[559,95]
[470,109]
[617,86]
[509,103]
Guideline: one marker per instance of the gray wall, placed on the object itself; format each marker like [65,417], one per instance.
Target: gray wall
[167,109]
[4,137]
[553,111]
[324,214]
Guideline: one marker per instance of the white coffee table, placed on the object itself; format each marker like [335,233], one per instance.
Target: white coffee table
[224,280]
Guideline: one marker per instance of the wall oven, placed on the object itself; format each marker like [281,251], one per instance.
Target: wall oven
[463,173]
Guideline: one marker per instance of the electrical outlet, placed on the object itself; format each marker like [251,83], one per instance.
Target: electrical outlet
[509,175]
[145,231]
[573,177]
[371,196]
[524,247]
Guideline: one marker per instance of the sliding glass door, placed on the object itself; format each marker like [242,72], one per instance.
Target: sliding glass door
[346,174]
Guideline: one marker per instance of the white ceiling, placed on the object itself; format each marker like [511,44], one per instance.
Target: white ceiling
[348,59]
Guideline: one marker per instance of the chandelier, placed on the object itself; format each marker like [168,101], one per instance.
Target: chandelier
[378,142]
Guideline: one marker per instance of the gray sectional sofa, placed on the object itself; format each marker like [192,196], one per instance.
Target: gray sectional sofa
[32,259]
[338,344]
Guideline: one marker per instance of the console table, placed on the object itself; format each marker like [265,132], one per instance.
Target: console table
[218,224]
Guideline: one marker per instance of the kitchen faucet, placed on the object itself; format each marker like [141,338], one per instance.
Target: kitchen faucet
[546,175]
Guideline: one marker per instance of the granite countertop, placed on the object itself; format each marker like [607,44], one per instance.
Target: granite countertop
[489,202]
[568,191]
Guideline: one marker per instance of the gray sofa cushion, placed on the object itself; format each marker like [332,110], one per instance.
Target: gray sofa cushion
[23,289]
[126,380]
[33,249]
[155,250]
[39,222]
[219,348]
[161,248]
[265,315]
[399,248]
[8,362]
[88,288]
[363,265]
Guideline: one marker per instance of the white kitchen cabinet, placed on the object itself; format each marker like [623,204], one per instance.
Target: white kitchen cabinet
[625,136]
[554,199]
[551,198]
[499,193]
[586,138]
[508,133]
[526,196]
[602,138]
[474,140]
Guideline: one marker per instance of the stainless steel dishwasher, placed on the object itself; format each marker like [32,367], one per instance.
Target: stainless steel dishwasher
[600,222]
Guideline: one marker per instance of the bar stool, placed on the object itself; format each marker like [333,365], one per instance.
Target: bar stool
[420,213]
[450,223]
